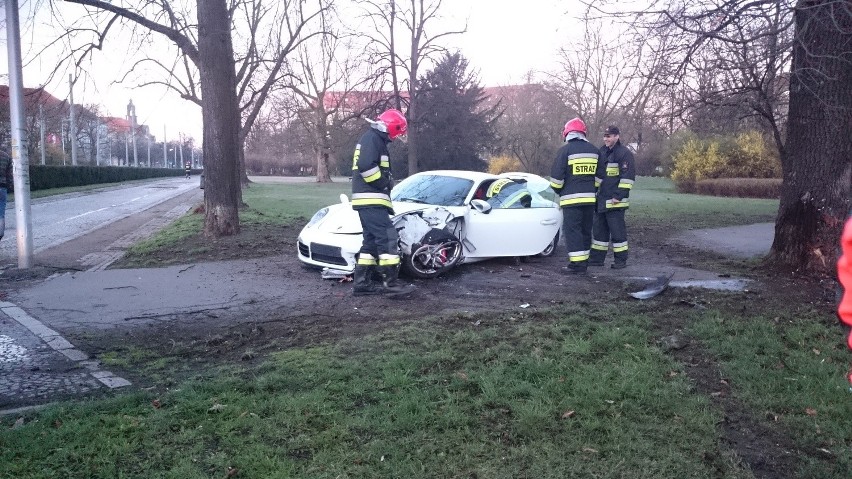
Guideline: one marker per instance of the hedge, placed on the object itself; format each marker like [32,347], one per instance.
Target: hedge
[44,177]
[740,187]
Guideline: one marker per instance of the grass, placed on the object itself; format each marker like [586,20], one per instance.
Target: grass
[577,391]
[789,365]
[558,396]
[656,204]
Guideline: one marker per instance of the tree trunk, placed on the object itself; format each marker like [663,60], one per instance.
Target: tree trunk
[817,173]
[221,120]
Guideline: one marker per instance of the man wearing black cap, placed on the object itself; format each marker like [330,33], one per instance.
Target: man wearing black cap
[616,172]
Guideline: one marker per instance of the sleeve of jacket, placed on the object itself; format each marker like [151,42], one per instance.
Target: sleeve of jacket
[627,174]
[368,166]
[559,171]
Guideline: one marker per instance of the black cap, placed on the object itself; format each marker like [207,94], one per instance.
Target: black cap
[612,130]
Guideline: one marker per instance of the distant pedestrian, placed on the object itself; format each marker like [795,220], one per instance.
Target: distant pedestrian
[5,184]
[188,169]
[616,173]
[573,179]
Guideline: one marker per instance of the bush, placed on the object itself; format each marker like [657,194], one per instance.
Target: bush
[44,177]
[741,187]
[503,164]
[746,155]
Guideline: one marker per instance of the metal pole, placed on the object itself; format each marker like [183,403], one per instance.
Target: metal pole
[62,133]
[126,151]
[41,135]
[98,144]
[148,142]
[181,150]
[165,153]
[72,131]
[131,113]
[20,160]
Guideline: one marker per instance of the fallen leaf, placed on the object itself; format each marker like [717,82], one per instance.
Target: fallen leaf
[18,423]
[461,375]
[723,382]
[216,408]
[673,374]
[232,472]
[810,411]
[156,403]
[608,401]
[816,351]
[57,424]
[590,450]
[568,414]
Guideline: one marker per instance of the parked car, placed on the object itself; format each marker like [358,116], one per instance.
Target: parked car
[444,218]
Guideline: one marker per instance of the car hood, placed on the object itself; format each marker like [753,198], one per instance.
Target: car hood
[342,219]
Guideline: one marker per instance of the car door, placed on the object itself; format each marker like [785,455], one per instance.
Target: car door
[511,231]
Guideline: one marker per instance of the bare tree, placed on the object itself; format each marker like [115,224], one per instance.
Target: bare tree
[419,49]
[328,76]
[214,59]
[530,126]
[816,163]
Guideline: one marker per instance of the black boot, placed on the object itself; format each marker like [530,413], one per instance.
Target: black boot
[392,285]
[620,260]
[363,281]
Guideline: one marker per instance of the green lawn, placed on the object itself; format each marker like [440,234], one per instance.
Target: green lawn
[573,391]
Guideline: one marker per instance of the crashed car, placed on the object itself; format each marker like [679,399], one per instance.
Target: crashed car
[445,218]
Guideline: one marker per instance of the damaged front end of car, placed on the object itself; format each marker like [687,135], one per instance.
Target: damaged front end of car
[430,241]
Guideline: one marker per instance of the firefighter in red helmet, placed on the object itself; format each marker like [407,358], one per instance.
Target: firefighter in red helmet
[573,179]
[371,186]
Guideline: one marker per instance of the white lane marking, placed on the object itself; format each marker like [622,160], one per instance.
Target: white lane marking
[102,209]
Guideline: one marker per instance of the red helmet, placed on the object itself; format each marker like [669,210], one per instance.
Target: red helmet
[395,123]
[574,125]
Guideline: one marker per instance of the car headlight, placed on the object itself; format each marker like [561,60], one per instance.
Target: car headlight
[317,217]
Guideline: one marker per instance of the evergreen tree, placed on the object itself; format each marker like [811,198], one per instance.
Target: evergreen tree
[455,125]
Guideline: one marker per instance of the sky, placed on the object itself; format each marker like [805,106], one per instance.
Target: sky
[502,42]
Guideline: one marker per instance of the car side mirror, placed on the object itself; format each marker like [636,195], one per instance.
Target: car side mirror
[344,199]
[483,207]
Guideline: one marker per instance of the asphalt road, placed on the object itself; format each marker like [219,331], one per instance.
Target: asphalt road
[61,218]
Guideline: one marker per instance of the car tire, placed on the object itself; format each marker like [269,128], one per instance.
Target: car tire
[551,248]
[421,263]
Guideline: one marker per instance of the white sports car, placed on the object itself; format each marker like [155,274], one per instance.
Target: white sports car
[444,218]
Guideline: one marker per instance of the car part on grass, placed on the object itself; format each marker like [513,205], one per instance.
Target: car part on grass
[657,286]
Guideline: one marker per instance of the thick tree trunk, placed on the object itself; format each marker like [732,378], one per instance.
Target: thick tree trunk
[815,196]
[221,119]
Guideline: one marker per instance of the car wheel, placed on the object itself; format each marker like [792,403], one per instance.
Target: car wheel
[431,260]
[551,248]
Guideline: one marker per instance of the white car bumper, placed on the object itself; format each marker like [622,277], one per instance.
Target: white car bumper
[336,251]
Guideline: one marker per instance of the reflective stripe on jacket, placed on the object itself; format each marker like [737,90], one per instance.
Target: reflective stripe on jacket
[371,174]
[617,175]
[574,171]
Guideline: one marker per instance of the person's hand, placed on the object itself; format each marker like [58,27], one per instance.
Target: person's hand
[616,201]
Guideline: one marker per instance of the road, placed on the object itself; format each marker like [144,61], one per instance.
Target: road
[58,219]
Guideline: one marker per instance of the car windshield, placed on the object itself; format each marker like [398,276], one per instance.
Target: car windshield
[437,190]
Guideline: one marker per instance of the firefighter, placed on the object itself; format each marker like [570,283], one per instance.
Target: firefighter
[617,174]
[573,179]
[505,193]
[188,169]
[371,186]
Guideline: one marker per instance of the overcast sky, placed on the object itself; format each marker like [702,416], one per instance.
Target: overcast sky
[504,40]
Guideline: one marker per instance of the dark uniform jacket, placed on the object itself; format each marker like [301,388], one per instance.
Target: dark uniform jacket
[371,174]
[573,173]
[617,172]
[5,170]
